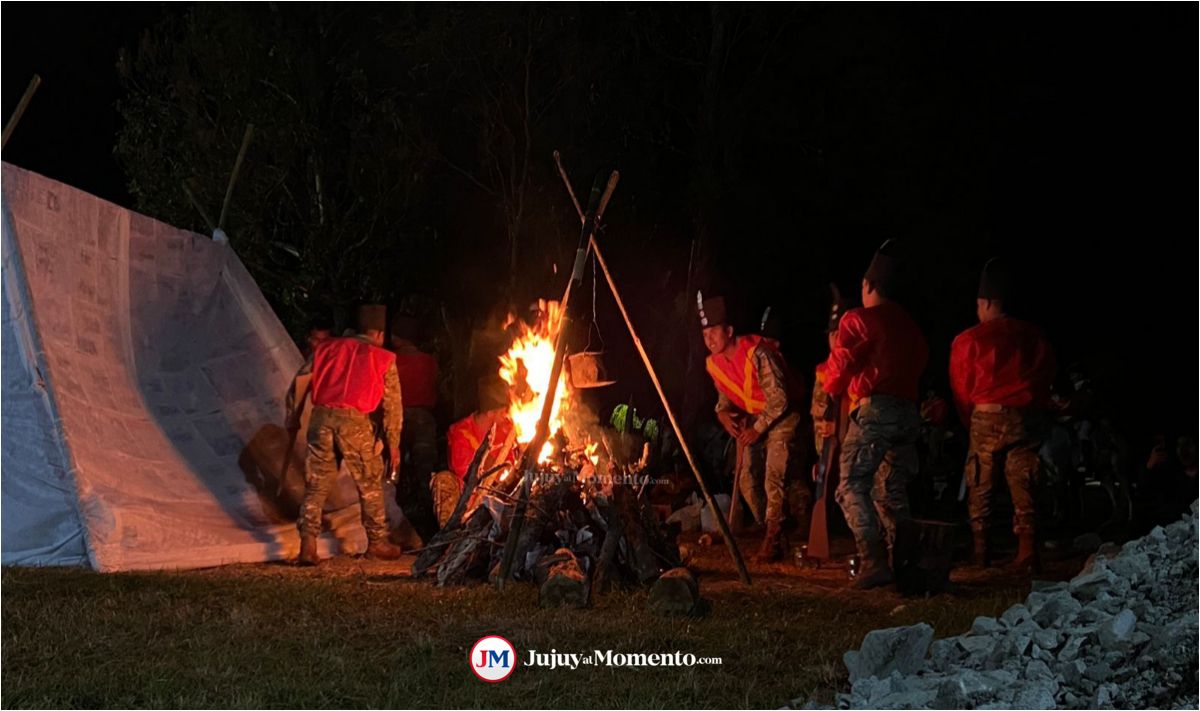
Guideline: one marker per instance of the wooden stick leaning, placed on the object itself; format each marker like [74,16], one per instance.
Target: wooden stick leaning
[736,554]
[735,500]
[598,200]
[237,168]
[731,544]
[187,190]
[23,104]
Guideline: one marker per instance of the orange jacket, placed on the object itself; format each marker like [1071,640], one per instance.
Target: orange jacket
[1004,361]
[878,351]
[464,438]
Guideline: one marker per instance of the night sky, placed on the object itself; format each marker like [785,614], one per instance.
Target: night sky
[1062,135]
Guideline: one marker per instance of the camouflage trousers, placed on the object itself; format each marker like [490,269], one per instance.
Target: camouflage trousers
[879,457]
[765,468]
[418,442]
[1003,443]
[418,446]
[350,435]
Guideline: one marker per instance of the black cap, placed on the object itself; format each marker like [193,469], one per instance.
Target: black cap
[712,311]
[406,326]
[996,280]
[884,269]
[771,324]
[372,317]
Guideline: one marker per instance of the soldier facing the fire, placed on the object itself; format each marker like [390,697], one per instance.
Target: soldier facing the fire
[350,378]
[876,360]
[753,403]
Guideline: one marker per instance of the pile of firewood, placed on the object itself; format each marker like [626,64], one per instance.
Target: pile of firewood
[582,532]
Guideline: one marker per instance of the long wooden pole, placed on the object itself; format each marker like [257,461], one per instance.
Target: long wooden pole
[199,208]
[237,167]
[743,573]
[34,83]
[599,199]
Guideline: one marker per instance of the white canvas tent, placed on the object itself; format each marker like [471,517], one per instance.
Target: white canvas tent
[139,361]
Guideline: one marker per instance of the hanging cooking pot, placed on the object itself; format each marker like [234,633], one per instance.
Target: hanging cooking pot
[587,370]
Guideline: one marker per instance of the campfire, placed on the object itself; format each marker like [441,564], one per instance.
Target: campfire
[577,513]
[588,523]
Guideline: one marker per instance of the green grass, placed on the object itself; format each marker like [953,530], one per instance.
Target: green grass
[354,635]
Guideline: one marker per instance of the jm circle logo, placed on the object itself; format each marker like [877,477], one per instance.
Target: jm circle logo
[493,658]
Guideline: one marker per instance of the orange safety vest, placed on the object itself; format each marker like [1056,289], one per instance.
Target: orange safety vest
[736,376]
[464,438]
[348,373]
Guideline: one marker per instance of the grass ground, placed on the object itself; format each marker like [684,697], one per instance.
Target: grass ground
[362,634]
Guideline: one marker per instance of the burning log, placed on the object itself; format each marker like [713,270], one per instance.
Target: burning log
[576,532]
[469,551]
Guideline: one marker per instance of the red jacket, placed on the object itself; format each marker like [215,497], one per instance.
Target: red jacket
[418,373]
[878,351]
[464,438]
[1004,361]
[348,372]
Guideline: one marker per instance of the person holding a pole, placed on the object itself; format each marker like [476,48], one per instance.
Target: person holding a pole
[755,406]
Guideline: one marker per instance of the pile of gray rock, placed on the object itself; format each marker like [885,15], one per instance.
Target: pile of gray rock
[1121,634]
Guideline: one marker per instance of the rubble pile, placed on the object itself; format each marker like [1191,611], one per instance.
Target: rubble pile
[1121,634]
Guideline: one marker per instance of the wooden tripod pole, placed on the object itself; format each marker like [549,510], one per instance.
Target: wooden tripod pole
[199,208]
[599,200]
[237,168]
[687,452]
[11,125]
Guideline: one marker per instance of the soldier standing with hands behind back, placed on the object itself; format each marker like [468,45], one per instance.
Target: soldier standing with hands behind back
[1001,372]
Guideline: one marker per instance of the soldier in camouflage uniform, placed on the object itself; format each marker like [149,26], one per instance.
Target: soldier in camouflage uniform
[349,378]
[876,361]
[1001,372]
[754,402]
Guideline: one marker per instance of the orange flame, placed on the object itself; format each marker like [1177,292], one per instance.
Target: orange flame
[526,368]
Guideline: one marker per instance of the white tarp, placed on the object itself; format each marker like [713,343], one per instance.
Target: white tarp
[138,362]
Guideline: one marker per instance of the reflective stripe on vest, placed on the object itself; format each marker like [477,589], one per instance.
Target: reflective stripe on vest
[736,376]
[348,373]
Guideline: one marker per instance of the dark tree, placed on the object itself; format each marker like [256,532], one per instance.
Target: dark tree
[326,209]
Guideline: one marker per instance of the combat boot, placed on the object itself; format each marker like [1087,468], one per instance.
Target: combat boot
[308,551]
[774,545]
[383,550]
[1027,558]
[875,571]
